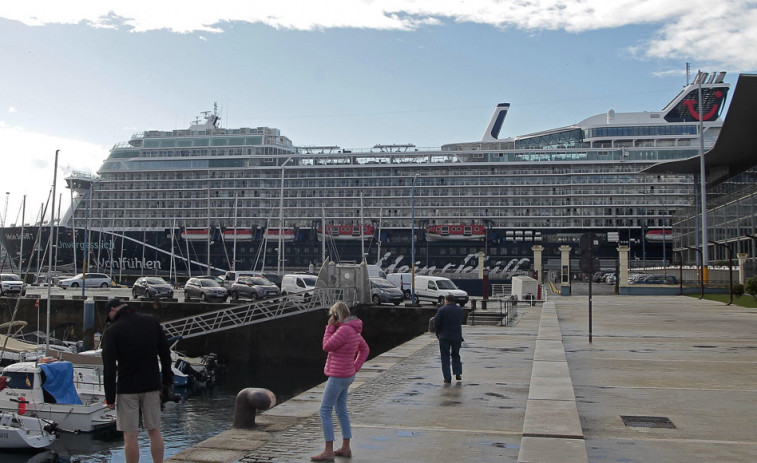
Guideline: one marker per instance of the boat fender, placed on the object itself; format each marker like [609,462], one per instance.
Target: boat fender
[248,401]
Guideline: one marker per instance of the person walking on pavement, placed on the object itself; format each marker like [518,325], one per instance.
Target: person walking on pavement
[131,347]
[448,323]
[347,351]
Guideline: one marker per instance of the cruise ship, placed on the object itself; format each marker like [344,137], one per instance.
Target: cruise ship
[206,199]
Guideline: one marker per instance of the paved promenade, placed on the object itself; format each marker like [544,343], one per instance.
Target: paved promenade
[539,392]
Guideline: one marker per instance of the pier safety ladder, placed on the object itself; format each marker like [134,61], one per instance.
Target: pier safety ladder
[257,312]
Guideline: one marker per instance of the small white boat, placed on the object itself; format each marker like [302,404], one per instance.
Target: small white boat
[56,398]
[24,432]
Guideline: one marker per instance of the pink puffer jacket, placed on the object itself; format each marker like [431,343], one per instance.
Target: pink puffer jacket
[346,347]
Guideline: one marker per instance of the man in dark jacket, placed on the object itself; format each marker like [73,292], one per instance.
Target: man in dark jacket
[448,325]
[131,347]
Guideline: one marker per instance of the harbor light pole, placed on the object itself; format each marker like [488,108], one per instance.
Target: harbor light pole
[703,191]
[412,240]
[280,250]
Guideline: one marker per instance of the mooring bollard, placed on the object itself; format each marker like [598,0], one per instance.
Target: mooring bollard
[248,401]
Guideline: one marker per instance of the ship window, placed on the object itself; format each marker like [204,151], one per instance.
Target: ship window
[20,380]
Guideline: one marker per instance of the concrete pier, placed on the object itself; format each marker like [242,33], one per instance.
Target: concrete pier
[539,392]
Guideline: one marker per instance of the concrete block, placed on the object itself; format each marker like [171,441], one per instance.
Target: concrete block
[551,450]
[552,418]
[551,388]
[550,370]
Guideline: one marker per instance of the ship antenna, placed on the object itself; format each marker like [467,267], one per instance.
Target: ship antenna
[688,68]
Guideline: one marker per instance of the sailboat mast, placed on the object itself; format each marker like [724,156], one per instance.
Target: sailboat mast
[50,255]
[208,259]
[323,235]
[234,252]
[21,250]
[362,241]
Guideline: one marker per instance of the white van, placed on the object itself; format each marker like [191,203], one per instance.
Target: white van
[299,285]
[403,281]
[435,289]
[374,271]
[232,276]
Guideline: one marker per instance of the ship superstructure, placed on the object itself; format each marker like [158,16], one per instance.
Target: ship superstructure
[172,198]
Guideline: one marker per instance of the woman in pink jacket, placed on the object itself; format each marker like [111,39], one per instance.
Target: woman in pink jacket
[347,351]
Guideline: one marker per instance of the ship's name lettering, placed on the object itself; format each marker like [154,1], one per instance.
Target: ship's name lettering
[130,263]
[80,246]
[17,236]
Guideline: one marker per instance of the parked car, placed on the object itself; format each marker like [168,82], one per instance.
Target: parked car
[253,288]
[151,287]
[205,290]
[215,278]
[300,285]
[93,280]
[11,284]
[382,290]
[403,281]
[658,280]
[610,280]
[273,278]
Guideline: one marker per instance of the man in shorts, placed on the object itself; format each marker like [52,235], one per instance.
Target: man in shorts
[131,346]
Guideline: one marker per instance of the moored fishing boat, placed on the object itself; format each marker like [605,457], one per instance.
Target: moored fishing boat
[47,391]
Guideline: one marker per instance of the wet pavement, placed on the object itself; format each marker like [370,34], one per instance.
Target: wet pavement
[539,391]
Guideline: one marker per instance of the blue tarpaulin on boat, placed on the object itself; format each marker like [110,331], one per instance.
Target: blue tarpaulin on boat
[59,382]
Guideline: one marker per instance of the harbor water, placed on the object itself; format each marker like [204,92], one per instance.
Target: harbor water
[184,424]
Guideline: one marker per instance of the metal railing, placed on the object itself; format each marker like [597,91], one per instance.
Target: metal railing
[258,312]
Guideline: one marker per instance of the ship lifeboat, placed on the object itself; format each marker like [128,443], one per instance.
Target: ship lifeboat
[656,236]
[195,234]
[272,234]
[455,233]
[347,232]
[237,234]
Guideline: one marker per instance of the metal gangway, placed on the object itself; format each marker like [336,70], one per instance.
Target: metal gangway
[258,312]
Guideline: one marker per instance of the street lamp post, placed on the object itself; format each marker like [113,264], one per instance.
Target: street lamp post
[412,241]
[703,190]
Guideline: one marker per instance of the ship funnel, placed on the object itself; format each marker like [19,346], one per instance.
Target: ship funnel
[495,124]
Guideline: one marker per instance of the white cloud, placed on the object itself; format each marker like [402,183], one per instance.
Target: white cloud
[719,33]
[12,109]
[33,157]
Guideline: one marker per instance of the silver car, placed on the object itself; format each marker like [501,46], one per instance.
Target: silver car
[204,289]
[11,284]
[253,288]
[383,290]
[94,280]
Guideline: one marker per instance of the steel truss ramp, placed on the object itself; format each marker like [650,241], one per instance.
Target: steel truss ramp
[257,312]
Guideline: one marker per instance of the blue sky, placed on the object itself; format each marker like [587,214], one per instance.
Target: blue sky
[82,75]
